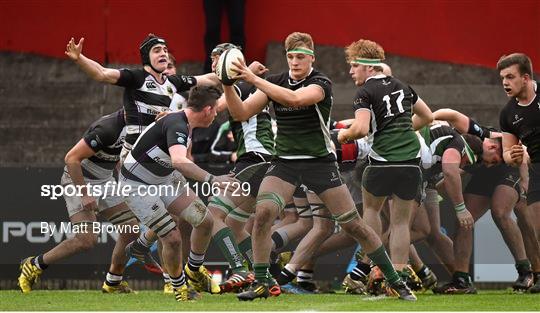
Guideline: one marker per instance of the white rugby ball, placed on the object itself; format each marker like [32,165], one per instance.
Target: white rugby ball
[224,65]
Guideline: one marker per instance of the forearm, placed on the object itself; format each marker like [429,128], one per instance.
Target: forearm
[419,122]
[282,95]
[190,169]
[93,69]
[452,185]
[75,172]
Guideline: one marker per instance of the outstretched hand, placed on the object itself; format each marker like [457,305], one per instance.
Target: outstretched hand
[73,51]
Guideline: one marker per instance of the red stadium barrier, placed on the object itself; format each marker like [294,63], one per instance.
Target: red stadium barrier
[468,32]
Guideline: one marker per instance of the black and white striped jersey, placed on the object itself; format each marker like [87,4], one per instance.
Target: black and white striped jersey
[149,161]
[145,98]
[105,136]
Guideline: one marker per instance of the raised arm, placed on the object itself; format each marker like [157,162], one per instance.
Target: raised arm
[422,115]
[92,68]
[209,79]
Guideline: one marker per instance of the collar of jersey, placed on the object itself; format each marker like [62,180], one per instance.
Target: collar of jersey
[293,82]
[376,77]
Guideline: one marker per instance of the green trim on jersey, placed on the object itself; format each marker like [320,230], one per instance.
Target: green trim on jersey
[254,135]
[396,142]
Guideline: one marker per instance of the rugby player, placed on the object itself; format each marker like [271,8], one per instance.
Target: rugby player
[161,149]
[395,153]
[302,99]
[91,161]
[519,121]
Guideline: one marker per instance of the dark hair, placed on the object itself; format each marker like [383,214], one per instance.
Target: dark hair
[522,60]
[475,143]
[172,59]
[201,96]
[147,44]
[222,47]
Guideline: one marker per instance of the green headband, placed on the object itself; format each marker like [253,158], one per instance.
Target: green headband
[372,62]
[302,50]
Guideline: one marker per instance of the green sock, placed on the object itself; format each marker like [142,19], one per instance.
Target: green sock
[246,249]
[261,272]
[224,238]
[381,259]
[523,266]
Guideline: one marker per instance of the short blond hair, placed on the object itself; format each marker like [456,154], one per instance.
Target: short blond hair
[364,48]
[298,39]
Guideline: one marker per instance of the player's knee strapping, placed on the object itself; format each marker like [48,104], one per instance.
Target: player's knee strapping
[123,217]
[319,210]
[272,197]
[195,213]
[346,217]
[239,215]
[304,211]
[222,203]
[161,223]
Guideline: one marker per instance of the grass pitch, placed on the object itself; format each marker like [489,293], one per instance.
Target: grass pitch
[12,300]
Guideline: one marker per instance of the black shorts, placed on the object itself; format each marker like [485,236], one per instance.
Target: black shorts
[484,179]
[250,168]
[318,174]
[384,179]
[533,194]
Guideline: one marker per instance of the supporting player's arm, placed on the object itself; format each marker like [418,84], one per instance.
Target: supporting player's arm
[422,115]
[73,160]
[463,124]
[191,170]
[242,111]
[512,150]
[451,161]
[92,68]
[304,96]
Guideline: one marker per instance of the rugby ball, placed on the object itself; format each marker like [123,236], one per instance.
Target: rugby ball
[223,69]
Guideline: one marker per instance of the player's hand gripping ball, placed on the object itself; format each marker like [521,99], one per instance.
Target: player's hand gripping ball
[224,66]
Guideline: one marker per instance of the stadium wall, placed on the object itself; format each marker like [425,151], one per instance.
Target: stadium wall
[464,32]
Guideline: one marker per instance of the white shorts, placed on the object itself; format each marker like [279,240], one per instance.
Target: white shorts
[104,202]
[151,209]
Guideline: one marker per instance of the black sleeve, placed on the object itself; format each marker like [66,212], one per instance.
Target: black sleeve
[244,90]
[362,100]
[176,131]
[478,130]
[325,84]
[182,82]
[504,123]
[131,78]
[457,143]
[414,95]
[98,137]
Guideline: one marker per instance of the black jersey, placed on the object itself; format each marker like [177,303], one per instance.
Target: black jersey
[390,102]
[105,136]
[440,138]
[255,134]
[149,161]
[523,121]
[145,98]
[303,132]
